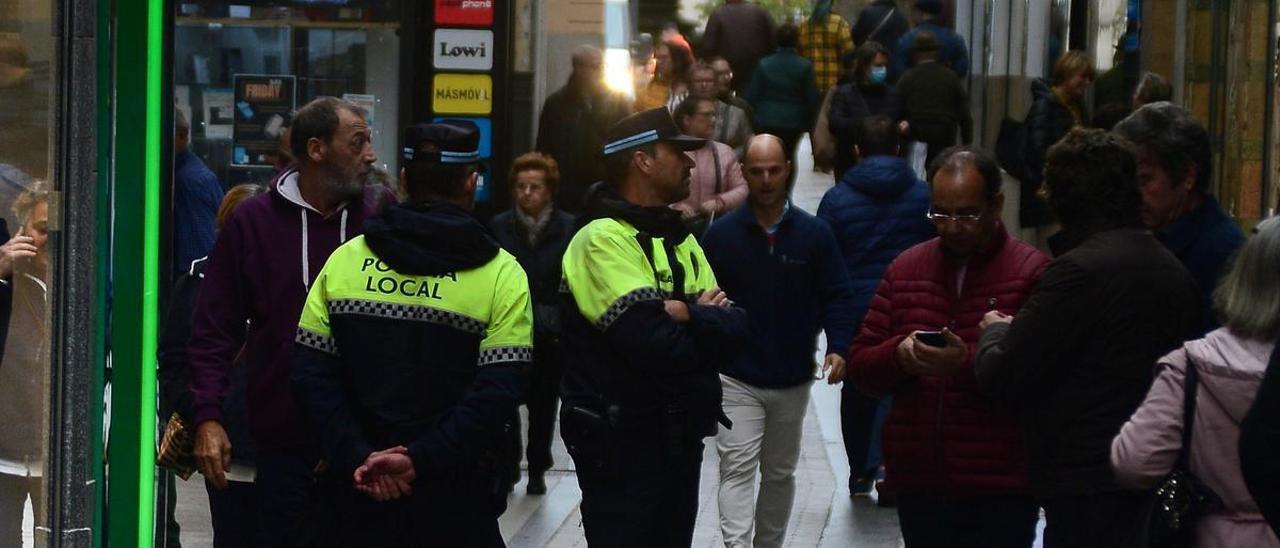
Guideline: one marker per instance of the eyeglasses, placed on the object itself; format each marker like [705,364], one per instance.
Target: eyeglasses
[944,218]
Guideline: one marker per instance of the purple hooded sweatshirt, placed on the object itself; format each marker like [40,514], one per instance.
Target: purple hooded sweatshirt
[262,264]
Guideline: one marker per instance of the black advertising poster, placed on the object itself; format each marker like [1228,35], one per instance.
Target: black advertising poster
[262,105]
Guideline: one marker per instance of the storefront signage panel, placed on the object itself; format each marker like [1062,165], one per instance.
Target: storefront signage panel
[465,12]
[462,94]
[458,49]
[262,104]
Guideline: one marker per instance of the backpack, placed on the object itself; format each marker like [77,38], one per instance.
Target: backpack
[1011,148]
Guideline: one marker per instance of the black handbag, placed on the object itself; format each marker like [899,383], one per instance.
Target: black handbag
[1178,503]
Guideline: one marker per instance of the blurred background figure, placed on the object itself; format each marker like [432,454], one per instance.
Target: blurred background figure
[784,93]
[881,21]
[1057,105]
[716,185]
[825,39]
[24,367]
[537,232]
[952,51]
[196,196]
[668,86]
[864,93]
[573,123]
[733,127]
[742,33]
[935,104]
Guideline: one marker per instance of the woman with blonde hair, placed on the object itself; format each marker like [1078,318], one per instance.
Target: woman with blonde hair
[1057,106]
[1226,368]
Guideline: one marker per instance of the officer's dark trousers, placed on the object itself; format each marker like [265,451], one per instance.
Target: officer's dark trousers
[290,510]
[650,499]
[443,511]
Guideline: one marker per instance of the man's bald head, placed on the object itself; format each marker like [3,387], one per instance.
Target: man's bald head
[587,56]
[767,171]
[764,147]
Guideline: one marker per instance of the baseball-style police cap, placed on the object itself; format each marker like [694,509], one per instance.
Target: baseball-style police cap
[647,127]
[456,142]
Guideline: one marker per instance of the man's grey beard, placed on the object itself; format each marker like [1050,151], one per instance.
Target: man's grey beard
[346,187]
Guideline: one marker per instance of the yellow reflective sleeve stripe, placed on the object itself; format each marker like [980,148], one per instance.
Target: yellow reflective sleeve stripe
[314,328]
[509,334]
[607,272]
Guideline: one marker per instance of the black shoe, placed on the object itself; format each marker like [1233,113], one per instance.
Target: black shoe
[536,485]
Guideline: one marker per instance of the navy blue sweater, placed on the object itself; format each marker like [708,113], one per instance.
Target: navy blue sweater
[790,290]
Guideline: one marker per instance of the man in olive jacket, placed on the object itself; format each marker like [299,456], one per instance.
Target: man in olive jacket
[1076,360]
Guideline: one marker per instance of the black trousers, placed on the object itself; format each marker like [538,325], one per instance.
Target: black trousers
[541,400]
[1105,520]
[445,510]
[292,512]
[968,522]
[13,498]
[646,498]
[234,512]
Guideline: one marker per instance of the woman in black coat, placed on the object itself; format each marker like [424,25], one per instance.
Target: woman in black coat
[1056,107]
[865,92]
[537,233]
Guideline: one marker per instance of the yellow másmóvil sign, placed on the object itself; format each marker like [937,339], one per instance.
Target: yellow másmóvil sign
[462,94]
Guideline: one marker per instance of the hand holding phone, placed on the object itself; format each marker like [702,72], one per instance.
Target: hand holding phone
[932,338]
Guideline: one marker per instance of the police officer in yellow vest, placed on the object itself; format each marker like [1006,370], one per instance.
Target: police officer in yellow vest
[645,330]
[409,356]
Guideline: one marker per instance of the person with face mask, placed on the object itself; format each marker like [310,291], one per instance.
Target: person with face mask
[1174,172]
[262,265]
[865,92]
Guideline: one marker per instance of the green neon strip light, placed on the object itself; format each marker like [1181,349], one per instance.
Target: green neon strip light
[150,271]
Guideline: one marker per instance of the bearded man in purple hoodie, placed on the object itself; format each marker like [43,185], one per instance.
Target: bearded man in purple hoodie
[261,267]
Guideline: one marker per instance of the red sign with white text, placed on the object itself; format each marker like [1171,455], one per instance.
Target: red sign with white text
[464,12]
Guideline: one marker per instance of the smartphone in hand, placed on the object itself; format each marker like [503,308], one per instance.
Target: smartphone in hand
[932,338]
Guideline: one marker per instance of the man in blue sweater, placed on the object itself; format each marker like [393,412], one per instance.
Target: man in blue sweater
[785,267]
[196,196]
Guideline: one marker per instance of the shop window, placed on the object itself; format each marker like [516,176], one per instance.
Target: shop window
[28,214]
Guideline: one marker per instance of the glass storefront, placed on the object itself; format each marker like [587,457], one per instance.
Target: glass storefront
[28,264]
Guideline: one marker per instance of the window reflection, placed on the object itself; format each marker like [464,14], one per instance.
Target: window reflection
[25,271]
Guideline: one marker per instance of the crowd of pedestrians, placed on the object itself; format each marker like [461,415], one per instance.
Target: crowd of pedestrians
[350,356]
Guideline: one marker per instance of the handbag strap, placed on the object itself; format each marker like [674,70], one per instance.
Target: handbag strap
[883,21]
[1190,386]
[715,155]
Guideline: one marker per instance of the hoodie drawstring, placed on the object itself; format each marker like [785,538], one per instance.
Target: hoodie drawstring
[306,262]
[342,230]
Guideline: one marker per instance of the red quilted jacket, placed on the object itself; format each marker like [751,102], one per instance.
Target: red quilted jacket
[942,437]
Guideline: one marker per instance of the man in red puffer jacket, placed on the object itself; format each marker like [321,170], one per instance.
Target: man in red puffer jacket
[954,457]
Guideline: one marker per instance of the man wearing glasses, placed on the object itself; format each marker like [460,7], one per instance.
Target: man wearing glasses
[954,458]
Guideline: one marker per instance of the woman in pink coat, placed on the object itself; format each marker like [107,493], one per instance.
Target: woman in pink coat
[716,185]
[1231,362]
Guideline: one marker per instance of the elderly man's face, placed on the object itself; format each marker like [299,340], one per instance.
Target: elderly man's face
[1164,199]
[37,227]
[965,219]
[702,84]
[349,157]
[724,76]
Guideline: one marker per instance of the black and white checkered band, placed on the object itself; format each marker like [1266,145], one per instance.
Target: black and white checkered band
[317,341]
[505,354]
[409,312]
[624,302]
